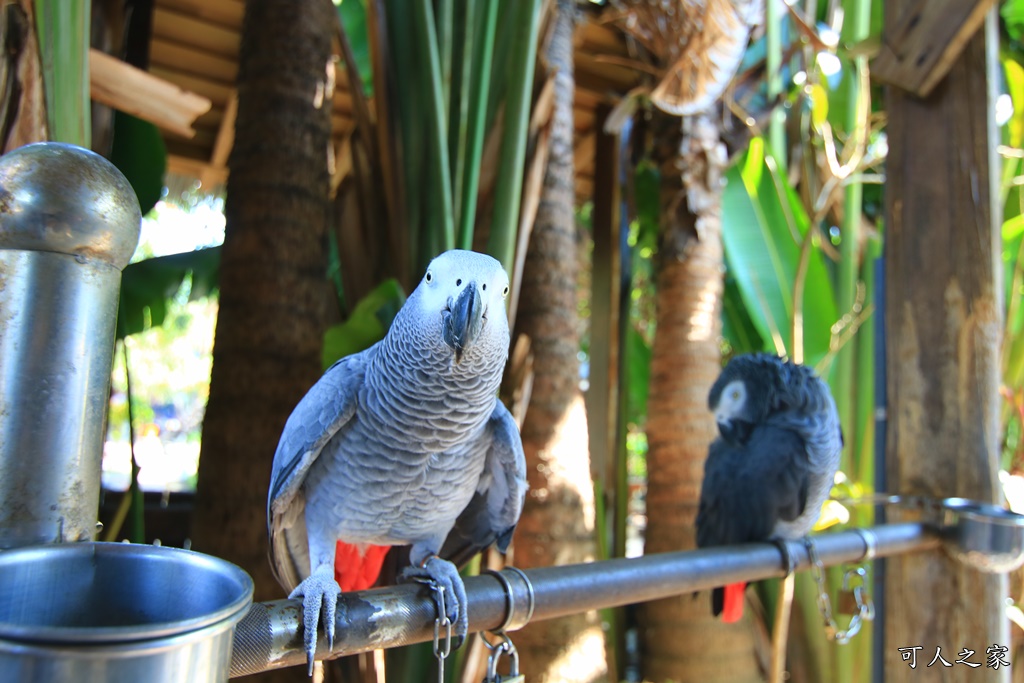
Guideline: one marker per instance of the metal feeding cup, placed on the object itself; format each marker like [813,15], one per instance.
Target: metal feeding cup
[986,537]
[118,613]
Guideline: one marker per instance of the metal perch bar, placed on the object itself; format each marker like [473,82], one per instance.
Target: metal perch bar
[270,637]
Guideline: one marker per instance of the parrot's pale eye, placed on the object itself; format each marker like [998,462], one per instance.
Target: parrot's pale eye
[735,395]
[430,277]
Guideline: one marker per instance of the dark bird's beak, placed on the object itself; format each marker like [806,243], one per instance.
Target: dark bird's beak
[735,431]
[463,319]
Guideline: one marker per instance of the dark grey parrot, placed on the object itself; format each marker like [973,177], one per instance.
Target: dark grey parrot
[403,444]
[773,464]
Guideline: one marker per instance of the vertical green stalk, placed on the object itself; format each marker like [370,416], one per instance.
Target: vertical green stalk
[504,226]
[62,27]
[439,173]
[483,52]
[458,106]
[773,62]
[445,16]
[850,396]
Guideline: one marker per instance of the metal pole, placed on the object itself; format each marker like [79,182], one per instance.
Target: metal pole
[69,223]
[270,637]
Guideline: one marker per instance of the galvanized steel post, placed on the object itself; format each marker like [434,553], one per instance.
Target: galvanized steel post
[69,223]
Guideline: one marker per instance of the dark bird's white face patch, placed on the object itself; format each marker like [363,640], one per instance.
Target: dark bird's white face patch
[731,402]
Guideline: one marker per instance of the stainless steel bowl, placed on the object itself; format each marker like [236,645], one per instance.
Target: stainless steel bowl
[986,537]
[116,612]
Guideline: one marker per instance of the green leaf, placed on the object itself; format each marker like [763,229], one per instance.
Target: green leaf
[737,326]
[147,285]
[139,153]
[353,20]
[1012,13]
[367,325]
[638,375]
[1014,74]
[763,256]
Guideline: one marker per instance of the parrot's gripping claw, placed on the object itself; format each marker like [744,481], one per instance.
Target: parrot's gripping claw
[442,574]
[787,557]
[319,592]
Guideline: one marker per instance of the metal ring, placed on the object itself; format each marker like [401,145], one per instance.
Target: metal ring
[510,601]
[870,543]
[531,596]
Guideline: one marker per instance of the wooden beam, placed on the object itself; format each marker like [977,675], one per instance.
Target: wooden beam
[944,323]
[222,145]
[133,91]
[602,396]
[921,42]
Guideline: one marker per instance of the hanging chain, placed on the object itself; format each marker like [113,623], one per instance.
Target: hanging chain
[442,647]
[865,607]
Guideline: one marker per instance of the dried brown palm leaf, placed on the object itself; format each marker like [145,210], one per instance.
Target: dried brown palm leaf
[697,44]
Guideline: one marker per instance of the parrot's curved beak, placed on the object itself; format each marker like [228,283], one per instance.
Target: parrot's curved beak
[734,431]
[463,320]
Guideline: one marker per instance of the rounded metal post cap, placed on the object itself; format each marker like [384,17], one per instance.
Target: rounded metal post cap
[62,198]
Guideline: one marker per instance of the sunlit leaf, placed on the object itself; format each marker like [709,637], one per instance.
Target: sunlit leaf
[1012,12]
[762,255]
[819,104]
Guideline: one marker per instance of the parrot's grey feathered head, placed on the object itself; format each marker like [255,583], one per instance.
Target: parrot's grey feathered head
[467,291]
[753,386]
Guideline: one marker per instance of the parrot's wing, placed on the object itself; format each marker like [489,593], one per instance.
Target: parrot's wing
[748,489]
[325,409]
[493,512]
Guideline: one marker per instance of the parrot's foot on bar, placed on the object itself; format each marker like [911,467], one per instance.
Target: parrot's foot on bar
[788,561]
[319,592]
[442,574]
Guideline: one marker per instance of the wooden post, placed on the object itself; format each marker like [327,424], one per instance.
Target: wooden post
[603,394]
[944,316]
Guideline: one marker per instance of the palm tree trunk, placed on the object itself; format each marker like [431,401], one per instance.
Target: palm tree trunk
[273,287]
[558,523]
[680,639]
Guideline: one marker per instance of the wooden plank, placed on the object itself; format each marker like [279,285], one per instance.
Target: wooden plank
[583,154]
[583,120]
[609,76]
[225,138]
[920,44]
[195,168]
[227,13]
[603,394]
[189,30]
[142,94]
[944,322]
[218,93]
[189,59]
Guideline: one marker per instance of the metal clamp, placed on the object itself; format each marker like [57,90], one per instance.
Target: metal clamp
[510,622]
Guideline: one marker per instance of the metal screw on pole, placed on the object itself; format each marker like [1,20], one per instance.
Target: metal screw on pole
[69,223]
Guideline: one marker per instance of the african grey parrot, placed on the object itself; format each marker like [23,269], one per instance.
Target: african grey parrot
[404,443]
[773,464]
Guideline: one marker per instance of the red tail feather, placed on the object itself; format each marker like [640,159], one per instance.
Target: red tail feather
[355,571]
[732,608]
